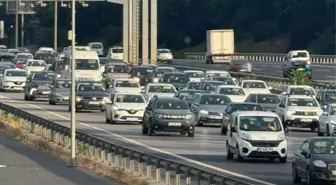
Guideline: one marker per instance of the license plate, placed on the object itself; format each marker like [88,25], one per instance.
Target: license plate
[174,124]
[306,120]
[333,172]
[300,69]
[45,92]
[94,103]
[132,119]
[66,98]
[215,117]
[265,149]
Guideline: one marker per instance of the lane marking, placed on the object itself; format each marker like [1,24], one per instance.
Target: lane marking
[322,70]
[152,148]
[3,166]
[331,76]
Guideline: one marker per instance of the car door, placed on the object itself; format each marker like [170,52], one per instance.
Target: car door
[319,97]
[323,118]
[281,108]
[233,131]
[301,159]
[149,111]
[227,115]
[109,106]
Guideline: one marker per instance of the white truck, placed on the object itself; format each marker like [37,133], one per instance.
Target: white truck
[220,46]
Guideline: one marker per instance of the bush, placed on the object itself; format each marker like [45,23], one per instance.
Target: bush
[300,78]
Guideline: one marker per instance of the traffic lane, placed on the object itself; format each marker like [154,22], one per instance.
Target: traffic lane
[21,164]
[209,148]
[319,72]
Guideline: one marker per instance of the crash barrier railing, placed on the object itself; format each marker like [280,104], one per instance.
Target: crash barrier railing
[123,158]
[276,80]
[266,57]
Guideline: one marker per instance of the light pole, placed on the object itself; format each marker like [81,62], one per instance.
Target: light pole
[55,24]
[16,23]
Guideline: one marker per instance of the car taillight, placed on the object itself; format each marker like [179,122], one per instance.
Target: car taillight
[235,65]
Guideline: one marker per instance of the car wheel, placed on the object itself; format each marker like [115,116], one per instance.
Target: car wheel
[328,131]
[283,159]
[223,131]
[296,178]
[144,129]
[191,134]
[69,108]
[229,154]
[319,133]
[106,119]
[239,158]
[309,180]
[25,97]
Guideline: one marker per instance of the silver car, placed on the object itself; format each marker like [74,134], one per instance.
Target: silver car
[60,91]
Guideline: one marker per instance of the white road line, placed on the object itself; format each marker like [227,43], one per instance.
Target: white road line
[322,70]
[152,148]
[331,76]
[2,166]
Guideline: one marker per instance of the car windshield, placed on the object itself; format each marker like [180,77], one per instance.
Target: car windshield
[231,91]
[267,99]
[163,51]
[63,84]
[161,89]
[302,91]
[327,146]
[245,107]
[259,85]
[171,104]
[96,46]
[176,78]
[165,70]
[86,64]
[214,100]
[117,50]
[8,66]
[91,87]
[126,83]
[102,61]
[141,71]
[21,62]
[210,86]
[333,110]
[298,63]
[329,96]
[36,63]
[43,76]
[20,56]
[129,98]
[193,85]
[188,95]
[260,123]
[60,66]
[226,81]
[302,102]
[16,73]
[300,54]
[118,69]
[43,55]
[195,74]
[211,74]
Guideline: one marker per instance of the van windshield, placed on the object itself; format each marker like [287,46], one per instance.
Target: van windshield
[300,54]
[260,123]
[117,50]
[87,64]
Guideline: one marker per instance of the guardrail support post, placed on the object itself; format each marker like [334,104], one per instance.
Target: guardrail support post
[149,168]
[109,155]
[167,177]
[188,176]
[123,160]
[139,162]
[178,175]
[198,178]
[158,171]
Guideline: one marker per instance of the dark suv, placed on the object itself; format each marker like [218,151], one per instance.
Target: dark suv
[38,85]
[168,114]
[145,74]
[290,66]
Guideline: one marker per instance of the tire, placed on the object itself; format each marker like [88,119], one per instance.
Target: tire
[69,108]
[50,102]
[223,131]
[296,178]
[313,126]
[239,158]
[25,97]
[319,133]
[328,131]
[283,159]
[229,154]
[106,119]
[309,180]
[144,129]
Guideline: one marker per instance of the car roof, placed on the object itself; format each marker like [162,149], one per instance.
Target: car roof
[168,98]
[207,93]
[210,81]
[62,79]
[158,84]
[10,69]
[174,73]
[229,86]
[301,96]
[327,90]
[254,113]
[241,103]
[124,79]
[253,81]
[263,94]
[166,67]
[88,81]
[193,71]
[194,90]
[299,86]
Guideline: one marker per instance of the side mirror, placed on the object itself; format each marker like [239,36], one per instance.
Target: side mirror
[148,108]
[233,129]
[284,93]
[325,113]
[304,153]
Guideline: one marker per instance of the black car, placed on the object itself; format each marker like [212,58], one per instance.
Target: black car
[237,106]
[315,161]
[291,66]
[189,95]
[90,95]
[193,85]
[226,79]
[177,79]
[325,97]
[145,74]
[43,55]
[210,85]
[269,102]
[38,85]
[168,114]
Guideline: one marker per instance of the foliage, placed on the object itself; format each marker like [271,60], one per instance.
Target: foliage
[305,23]
[300,78]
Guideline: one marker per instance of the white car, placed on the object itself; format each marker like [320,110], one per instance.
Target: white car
[125,107]
[46,49]
[327,121]
[195,75]
[256,134]
[235,93]
[299,111]
[115,53]
[165,55]
[299,55]
[299,90]
[159,89]
[97,47]
[128,85]
[34,65]
[255,86]
[13,79]
[211,73]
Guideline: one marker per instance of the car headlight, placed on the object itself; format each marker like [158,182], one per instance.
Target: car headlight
[221,114]
[319,112]
[115,107]
[290,112]
[245,136]
[79,98]
[136,79]
[106,99]
[98,78]
[160,116]
[281,137]
[155,80]
[58,76]
[204,112]
[189,116]
[320,164]
[332,122]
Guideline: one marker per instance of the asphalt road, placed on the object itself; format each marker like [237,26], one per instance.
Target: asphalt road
[205,150]
[23,165]
[319,72]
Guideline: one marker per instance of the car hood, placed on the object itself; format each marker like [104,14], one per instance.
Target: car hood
[263,135]
[306,109]
[63,90]
[256,90]
[236,98]
[327,158]
[177,112]
[268,106]
[92,93]
[42,82]
[128,106]
[195,79]
[128,89]
[213,108]
[150,95]
[15,78]
[110,76]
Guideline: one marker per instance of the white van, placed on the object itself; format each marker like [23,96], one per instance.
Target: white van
[115,53]
[299,55]
[87,65]
[97,47]
[256,134]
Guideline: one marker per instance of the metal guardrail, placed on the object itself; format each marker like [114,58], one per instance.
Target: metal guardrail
[123,158]
[282,81]
[267,57]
